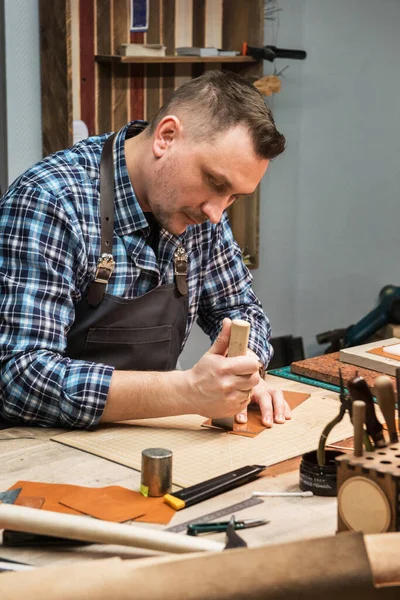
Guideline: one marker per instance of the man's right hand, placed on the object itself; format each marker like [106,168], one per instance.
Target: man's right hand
[220,386]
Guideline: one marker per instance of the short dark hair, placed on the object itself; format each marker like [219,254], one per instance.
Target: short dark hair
[219,100]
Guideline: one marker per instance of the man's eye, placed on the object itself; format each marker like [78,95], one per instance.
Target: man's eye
[217,186]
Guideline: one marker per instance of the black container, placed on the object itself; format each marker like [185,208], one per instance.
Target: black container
[319,480]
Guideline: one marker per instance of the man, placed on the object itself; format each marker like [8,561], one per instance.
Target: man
[109,250]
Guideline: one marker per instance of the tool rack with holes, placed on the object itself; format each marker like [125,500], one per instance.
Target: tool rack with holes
[369,491]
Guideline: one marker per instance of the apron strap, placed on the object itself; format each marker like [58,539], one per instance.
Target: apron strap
[105,264]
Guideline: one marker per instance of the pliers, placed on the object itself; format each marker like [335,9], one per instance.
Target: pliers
[346,404]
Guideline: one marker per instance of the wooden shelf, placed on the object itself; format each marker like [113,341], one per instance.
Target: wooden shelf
[115,58]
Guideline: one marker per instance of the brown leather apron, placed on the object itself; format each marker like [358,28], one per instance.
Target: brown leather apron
[143,333]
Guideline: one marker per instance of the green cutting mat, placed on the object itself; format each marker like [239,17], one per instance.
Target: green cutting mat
[286,373]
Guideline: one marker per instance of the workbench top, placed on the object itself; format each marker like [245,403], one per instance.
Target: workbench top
[31,456]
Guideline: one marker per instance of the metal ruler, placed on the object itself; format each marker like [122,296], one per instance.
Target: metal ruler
[234,508]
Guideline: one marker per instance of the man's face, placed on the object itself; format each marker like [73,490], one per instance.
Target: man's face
[192,182]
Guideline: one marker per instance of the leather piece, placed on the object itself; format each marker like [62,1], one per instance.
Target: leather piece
[385,353]
[110,503]
[31,501]
[254,424]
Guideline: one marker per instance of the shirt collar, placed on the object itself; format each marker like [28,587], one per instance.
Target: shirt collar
[128,214]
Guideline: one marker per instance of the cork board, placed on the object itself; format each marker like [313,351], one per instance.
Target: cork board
[326,368]
[200,453]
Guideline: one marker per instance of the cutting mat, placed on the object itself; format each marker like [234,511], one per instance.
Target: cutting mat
[200,453]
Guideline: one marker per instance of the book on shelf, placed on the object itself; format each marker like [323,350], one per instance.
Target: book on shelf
[142,50]
[208,51]
[195,51]
[228,53]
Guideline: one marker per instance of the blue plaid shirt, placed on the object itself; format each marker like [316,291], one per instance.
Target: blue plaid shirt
[49,246]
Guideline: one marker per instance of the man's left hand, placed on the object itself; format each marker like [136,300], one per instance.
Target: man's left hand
[273,406]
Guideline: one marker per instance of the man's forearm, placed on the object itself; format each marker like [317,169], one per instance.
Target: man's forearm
[147,394]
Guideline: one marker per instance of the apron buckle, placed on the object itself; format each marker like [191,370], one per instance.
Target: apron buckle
[105,268]
[181,269]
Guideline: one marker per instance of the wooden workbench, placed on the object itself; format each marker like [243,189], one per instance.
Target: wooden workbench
[37,458]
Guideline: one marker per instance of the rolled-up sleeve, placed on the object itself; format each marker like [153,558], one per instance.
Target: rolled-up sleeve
[42,258]
[227,292]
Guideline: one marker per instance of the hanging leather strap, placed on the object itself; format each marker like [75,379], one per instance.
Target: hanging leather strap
[105,264]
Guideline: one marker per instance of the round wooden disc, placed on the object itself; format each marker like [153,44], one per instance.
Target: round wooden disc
[363,506]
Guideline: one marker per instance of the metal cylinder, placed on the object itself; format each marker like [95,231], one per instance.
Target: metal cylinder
[156,477]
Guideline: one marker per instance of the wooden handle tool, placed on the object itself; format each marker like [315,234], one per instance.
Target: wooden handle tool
[32,520]
[358,423]
[239,339]
[238,342]
[359,390]
[387,402]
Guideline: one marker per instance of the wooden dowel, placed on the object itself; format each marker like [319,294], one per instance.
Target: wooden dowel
[387,402]
[32,520]
[358,423]
[239,338]
[238,343]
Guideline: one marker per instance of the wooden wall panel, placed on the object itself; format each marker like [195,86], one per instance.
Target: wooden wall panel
[153,71]
[87,65]
[120,73]
[199,23]
[103,105]
[136,83]
[183,37]
[243,22]
[168,39]
[56,76]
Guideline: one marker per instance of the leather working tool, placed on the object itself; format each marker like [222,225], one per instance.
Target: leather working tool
[387,402]
[345,405]
[196,528]
[359,390]
[233,540]
[238,342]
[212,487]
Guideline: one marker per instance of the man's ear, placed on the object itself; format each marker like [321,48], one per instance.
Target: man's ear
[167,131]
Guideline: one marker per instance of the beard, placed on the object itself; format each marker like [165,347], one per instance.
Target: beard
[165,206]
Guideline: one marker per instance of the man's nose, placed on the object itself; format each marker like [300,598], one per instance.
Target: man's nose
[214,209]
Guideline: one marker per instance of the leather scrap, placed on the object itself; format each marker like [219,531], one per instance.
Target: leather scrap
[254,425]
[110,503]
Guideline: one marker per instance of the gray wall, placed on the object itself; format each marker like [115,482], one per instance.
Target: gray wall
[20,116]
[330,213]
[3,109]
